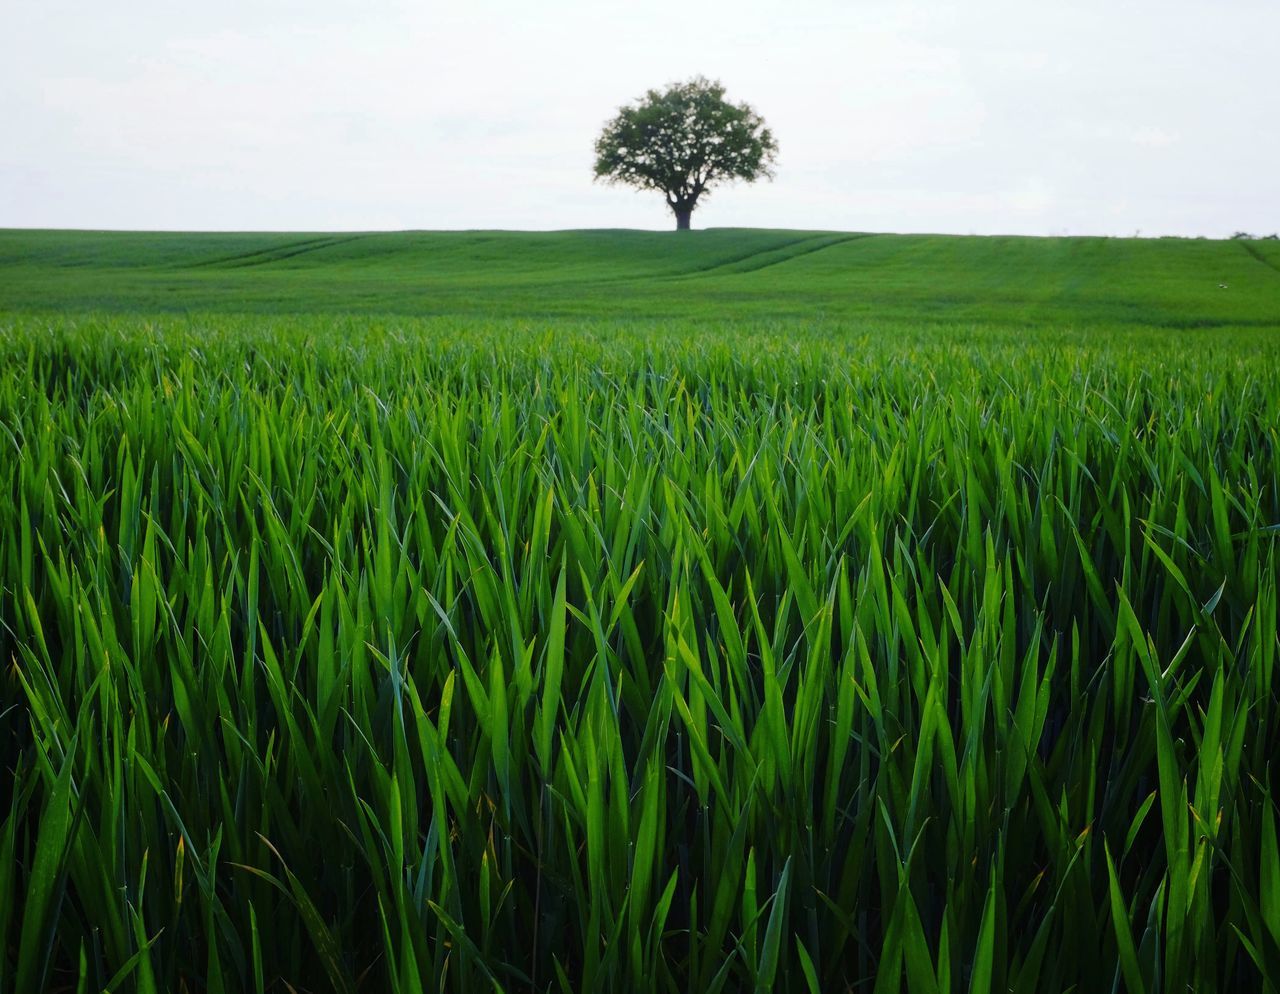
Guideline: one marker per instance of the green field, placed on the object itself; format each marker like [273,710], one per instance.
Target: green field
[716,275]
[614,611]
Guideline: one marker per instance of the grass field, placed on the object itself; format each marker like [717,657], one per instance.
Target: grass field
[711,275]
[603,611]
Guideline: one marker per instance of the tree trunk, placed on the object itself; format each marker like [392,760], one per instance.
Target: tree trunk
[682,217]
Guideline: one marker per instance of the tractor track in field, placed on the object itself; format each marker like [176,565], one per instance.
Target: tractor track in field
[1275,267]
[277,253]
[702,270]
[803,252]
[734,267]
[723,264]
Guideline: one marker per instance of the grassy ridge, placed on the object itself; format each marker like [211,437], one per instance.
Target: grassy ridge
[704,275]
[406,656]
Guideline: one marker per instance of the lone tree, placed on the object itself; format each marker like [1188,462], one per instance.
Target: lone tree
[681,141]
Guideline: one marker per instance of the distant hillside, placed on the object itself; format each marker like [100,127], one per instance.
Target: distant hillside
[708,275]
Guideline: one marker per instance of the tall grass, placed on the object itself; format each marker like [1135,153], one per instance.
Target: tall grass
[343,658]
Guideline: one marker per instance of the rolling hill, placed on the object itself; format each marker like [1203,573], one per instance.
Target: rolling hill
[714,274]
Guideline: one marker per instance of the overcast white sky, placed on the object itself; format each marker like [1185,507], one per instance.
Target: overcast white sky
[976,116]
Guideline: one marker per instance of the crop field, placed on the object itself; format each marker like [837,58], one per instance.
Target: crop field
[612,612]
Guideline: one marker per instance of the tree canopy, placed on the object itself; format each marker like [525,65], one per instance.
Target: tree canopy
[682,141]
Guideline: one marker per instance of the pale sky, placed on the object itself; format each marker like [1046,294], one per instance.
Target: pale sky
[980,116]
